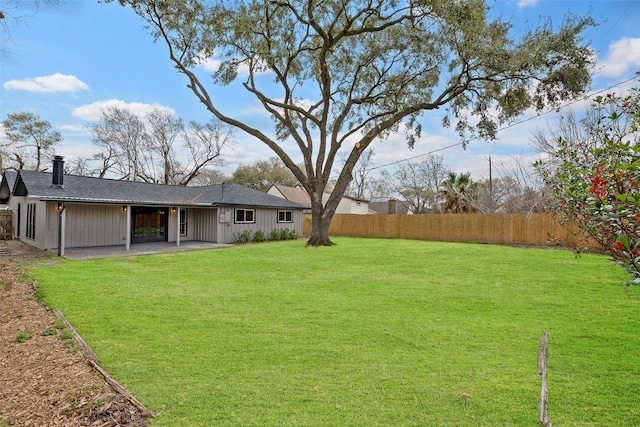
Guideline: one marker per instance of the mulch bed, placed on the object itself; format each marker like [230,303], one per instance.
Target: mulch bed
[44,379]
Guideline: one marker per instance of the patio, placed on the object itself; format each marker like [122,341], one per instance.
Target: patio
[138,249]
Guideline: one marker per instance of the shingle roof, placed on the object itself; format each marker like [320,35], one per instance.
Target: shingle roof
[102,190]
[6,186]
[401,207]
[295,194]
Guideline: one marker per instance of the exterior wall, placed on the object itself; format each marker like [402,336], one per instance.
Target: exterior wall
[265,220]
[275,192]
[20,229]
[87,225]
[13,206]
[202,225]
[350,206]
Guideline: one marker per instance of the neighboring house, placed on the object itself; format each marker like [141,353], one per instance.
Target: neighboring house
[392,206]
[295,194]
[347,205]
[52,210]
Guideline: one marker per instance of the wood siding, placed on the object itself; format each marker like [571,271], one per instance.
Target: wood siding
[90,225]
[202,225]
[265,220]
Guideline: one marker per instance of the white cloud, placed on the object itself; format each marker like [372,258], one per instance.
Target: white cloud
[623,57]
[92,112]
[48,84]
[72,128]
[527,3]
[212,64]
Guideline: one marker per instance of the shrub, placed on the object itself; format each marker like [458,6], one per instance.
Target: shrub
[284,234]
[243,237]
[259,236]
[274,235]
[596,184]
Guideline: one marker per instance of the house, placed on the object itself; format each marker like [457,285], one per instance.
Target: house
[53,210]
[347,205]
[392,206]
[294,194]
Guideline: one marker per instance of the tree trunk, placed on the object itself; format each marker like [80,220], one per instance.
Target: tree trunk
[320,221]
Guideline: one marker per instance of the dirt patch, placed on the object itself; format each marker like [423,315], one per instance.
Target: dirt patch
[44,379]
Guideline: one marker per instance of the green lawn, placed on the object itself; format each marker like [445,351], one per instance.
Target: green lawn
[370,332]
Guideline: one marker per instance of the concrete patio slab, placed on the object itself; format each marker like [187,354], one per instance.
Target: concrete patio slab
[138,249]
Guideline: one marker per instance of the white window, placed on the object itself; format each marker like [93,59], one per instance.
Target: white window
[183,222]
[245,216]
[285,216]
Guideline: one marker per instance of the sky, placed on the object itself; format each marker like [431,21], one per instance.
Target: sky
[68,62]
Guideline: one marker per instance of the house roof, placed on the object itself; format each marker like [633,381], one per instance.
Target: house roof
[101,190]
[300,195]
[6,186]
[401,207]
[294,194]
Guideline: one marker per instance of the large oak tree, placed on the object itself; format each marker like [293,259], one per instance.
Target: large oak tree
[345,73]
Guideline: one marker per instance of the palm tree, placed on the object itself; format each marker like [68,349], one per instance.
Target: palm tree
[456,192]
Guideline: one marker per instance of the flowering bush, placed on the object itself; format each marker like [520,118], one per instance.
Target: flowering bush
[595,184]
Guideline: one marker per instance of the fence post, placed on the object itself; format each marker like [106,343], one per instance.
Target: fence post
[542,370]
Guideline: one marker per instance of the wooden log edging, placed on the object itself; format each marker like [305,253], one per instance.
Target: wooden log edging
[123,391]
[94,360]
[86,350]
[543,403]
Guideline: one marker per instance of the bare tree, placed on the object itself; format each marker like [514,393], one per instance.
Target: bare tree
[14,13]
[30,142]
[204,144]
[121,137]
[515,190]
[418,182]
[362,183]
[160,149]
[77,165]
[163,131]
[209,176]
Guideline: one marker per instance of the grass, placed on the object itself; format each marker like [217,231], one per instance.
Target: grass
[371,332]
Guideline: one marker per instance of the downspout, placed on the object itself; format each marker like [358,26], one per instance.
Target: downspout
[60,227]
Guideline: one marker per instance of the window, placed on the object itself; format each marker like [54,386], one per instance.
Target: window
[183,222]
[285,216]
[245,216]
[31,221]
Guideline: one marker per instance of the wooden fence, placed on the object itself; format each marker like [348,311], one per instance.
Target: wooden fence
[6,224]
[525,229]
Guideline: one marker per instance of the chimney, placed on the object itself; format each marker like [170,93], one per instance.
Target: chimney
[393,206]
[58,168]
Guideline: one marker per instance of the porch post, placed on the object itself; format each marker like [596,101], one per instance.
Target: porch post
[178,226]
[62,220]
[127,244]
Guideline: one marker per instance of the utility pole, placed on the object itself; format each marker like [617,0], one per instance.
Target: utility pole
[490,188]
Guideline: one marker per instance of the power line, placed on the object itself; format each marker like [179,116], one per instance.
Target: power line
[509,126]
